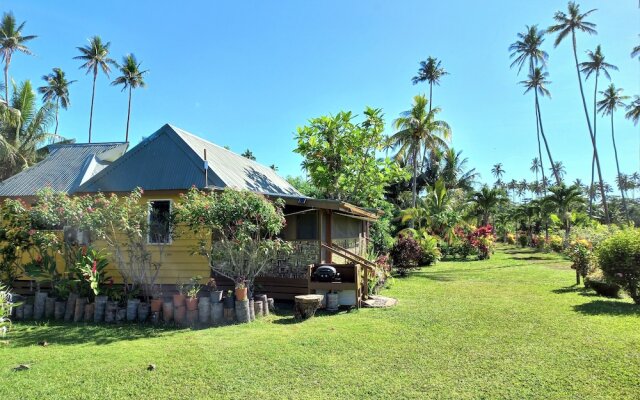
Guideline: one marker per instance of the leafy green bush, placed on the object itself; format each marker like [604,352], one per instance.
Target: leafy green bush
[619,259]
[523,240]
[556,243]
[581,253]
[596,281]
[511,238]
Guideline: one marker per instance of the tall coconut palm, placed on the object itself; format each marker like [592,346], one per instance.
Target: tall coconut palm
[568,23]
[633,110]
[418,127]
[538,83]
[558,169]
[96,57]
[535,166]
[486,201]
[528,48]
[565,200]
[56,91]
[497,171]
[595,65]
[613,98]
[21,137]
[430,71]
[131,78]
[11,40]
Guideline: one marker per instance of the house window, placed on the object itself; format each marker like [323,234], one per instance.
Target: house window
[160,221]
[307,226]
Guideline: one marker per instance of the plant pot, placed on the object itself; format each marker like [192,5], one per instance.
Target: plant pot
[110,312]
[89,310]
[192,303]
[59,309]
[241,294]
[167,311]
[179,300]
[132,309]
[78,312]
[216,296]
[121,314]
[204,310]
[217,313]
[39,305]
[27,311]
[70,308]
[156,305]
[100,308]
[49,307]
[143,312]
[179,314]
[228,302]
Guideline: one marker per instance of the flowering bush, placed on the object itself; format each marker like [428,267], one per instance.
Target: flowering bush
[483,239]
[619,259]
[511,238]
[381,275]
[406,254]
[92,267]
[556,243]
[581,254]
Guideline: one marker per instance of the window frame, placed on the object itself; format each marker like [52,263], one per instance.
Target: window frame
[150,208]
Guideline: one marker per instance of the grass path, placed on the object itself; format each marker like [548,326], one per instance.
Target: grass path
[510,327]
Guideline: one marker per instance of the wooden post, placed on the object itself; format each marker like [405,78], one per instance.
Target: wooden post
[327,234]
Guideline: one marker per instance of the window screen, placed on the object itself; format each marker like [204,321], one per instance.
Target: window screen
[307,226]
[159,221]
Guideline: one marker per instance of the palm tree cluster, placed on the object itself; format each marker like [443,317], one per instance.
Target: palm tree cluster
[527,51]
[24,126]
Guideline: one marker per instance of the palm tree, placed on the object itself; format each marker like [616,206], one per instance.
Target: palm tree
[528,47]
[568,23]
[486,200]
[535,166]
[20,137]
[56,90]
[558,169]
[454,174]
[633,110]
[565,199]
[512,185]
[522,187]
[430,71]
[497,172]
[131,78]
[635,52]
[537,82]
[11,40]
[96,57]
[611,100]
[248,154]
[418,127]
[595,64]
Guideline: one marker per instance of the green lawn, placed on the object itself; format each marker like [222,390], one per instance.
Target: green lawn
[511,327]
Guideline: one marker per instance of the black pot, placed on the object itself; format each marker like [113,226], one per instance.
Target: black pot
[228,302]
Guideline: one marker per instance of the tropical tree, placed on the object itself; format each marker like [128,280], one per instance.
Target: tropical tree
[11,40]
[613,98]
[558,169]
[56,91]
[633,110]
[96,57]
[568,23]
[486,200]
[418,128]
[528,48]
[131,78]
[538,83]
[535,166]
[430,71]
[595,65]
[497,171]
[454,174]
[21,135]
[565,200]
[248,154]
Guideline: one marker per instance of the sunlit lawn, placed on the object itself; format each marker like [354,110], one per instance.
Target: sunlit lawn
[510,327]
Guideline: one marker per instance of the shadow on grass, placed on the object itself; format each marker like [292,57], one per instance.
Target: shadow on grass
[533,258]
[570,289]
[608,307]
[57,333]
[289,319]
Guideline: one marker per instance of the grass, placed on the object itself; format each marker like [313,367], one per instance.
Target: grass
[510,327]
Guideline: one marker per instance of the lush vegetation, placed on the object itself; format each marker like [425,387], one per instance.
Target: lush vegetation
[459,322]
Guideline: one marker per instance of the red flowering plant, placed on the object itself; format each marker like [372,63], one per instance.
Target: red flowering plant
[91,266]
[483,239]
[236,231]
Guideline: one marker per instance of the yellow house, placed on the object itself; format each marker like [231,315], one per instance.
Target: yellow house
[170,162]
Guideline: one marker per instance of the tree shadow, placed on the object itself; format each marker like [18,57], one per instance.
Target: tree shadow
[29,333]
[569,289]
[608,307]
[533,258]
[289,319]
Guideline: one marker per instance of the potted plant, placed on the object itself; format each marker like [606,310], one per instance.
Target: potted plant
[156,298]
[180,297]
[241,290]
[216,295]
[228,299]
[192,293]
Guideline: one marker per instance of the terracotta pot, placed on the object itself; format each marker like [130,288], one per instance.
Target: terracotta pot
[167,311]
[241,294]
[156,305]
[178,300]
[216,296]
[179,314]
[192,303]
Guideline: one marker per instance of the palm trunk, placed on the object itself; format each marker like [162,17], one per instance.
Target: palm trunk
[415,176]
[595,133]
[93,94]
[57,109]
[615,152]
[546,144]
[126,138]
[593,140]
[6,80]
[540,151]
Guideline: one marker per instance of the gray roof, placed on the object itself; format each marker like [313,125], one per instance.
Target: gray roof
[64,169]
[173,159]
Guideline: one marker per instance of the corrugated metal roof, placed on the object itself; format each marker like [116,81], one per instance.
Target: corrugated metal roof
[173,159]
[64,169]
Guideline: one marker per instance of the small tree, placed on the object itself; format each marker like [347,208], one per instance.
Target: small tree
[236,231]
[619,259]
[405,254]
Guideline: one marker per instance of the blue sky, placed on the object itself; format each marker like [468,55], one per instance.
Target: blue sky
[246,74]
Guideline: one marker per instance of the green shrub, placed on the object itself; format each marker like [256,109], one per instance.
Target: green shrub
[523,240]
[596,281]
[619,259]
[406,253]
[556,243]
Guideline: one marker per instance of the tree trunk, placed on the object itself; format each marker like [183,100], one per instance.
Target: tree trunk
[595,133]
[93,94]
[126,137]
[577,277]
[593,141]
[6,80]
[546,144]
[615,152]
[415,174]
[57,109]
